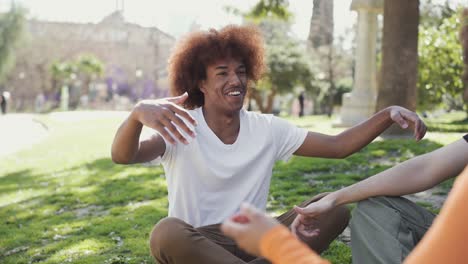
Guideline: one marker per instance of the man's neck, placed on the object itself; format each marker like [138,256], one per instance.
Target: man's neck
[226,126]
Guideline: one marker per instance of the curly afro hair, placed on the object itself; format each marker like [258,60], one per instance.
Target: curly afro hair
[193,54]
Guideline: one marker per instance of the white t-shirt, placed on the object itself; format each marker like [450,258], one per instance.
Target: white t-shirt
[208,180]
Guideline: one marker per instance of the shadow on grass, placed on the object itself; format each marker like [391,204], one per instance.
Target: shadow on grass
[457,125]
[46,214]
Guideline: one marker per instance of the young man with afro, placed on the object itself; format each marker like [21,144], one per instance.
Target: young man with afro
[217,155]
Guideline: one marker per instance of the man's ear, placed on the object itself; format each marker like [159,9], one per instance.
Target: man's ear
[201,85]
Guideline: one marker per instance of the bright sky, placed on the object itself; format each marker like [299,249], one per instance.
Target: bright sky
[174,16]
[177,16]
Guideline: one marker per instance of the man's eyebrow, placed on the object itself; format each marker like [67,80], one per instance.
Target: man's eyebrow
[222,67]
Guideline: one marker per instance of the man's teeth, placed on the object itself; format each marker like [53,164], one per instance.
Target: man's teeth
[234,93]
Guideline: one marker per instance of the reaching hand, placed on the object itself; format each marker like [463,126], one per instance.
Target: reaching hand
[164,115]
[305,222]
[405,118]
[247,228]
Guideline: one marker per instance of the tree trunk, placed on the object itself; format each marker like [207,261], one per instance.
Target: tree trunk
[399,58]
[255,94]
[331,80]
[270,100]
[321,24]
[268,108]
[464,42]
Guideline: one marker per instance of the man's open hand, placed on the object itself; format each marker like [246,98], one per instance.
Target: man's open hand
[164,115]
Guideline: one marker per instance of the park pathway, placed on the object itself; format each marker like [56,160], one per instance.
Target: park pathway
[19,131]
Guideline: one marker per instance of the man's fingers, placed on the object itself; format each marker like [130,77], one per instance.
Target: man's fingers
[232,228]
[182,112]
[163,132]
[178,99]
[418,130]
[398,118]
[173,129]
[249,210]
[169,114]
[421,130]
[229,228]
[310,233]
[295,225]
[240,218]
[306,211]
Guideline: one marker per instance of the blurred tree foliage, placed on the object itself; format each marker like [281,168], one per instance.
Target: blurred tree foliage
[11,31]
[464,42]
[287,64]
[270,9]
[83,70]
[89,68]
[440,60]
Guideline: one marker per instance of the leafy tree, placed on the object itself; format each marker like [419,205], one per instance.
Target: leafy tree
[277,9]
[89,68]
[440,65]
[433,14]
[399,57]
[287,65]
[11,31]
[62,73]
[85,67]
[464,42]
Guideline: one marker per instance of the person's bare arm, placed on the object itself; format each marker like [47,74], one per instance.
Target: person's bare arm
[414,175]
[163,115]
[357,137]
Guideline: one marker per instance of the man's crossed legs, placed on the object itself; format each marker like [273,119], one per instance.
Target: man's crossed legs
[174,242]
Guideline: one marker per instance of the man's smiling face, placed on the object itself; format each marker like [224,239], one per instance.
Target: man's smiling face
[225,85]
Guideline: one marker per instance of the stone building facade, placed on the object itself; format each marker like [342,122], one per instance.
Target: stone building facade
[135,58]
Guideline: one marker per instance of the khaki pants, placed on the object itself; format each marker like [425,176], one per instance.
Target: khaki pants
[174,241]
[384,230]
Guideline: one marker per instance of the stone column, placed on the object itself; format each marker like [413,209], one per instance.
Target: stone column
[359,104]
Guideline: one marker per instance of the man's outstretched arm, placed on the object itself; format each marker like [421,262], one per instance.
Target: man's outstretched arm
[163,115]
[357,137]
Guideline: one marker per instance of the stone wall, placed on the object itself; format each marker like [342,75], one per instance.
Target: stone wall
[135,57]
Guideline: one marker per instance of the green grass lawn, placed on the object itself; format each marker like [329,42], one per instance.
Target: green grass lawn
[64,201]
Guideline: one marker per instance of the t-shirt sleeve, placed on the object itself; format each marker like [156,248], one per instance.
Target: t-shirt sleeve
[171,149]
[466,137]
[168,153]
[287,138]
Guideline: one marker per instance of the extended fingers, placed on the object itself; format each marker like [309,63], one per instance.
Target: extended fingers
[419,126]
[295,225]
[158,126]
[172,113]
[420,129]
[231,228]
[182,112]
[398,118]
[173,129]
[308,211]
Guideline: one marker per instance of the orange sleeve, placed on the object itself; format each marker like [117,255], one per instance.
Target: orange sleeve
[280,247]
[445,242]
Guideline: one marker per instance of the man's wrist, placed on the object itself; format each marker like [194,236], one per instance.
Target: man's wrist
[336,198]
[133,118]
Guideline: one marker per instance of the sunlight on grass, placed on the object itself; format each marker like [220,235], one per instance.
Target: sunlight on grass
[20,196]
[80,249]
